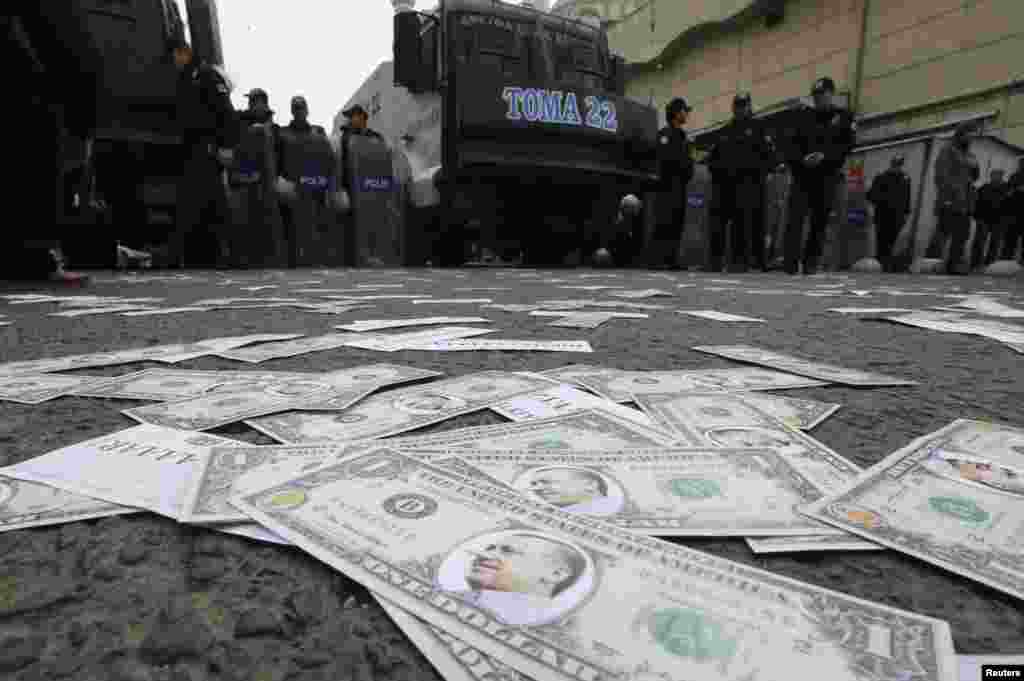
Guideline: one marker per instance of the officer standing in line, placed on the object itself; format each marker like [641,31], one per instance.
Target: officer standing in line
[1013,214]
[956,171]
[210,130]
[358,121]
[675,168]
[988,220]
[258,238]
[890,194]
[56,66]
[739,162]
[821,139]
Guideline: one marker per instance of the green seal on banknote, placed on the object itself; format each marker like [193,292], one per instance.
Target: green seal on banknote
[690,633]
[960,508]
[288,499]
[551,443]
[694,488]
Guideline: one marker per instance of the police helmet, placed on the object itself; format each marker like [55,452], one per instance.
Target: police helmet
[825,84]
[675,106]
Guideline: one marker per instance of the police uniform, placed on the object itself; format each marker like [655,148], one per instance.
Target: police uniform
[675,169]
[56,63]
[739,162]
[831,132]
[208,123]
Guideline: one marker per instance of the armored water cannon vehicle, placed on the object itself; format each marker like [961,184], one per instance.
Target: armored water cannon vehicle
[516,129]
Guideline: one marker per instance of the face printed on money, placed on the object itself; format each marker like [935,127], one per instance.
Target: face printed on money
[525,564]
[567,486]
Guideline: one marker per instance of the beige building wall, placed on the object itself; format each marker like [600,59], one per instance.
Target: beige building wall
[923,62]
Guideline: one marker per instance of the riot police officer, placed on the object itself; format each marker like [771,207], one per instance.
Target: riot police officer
[675,168]
[210,131]
[739,162]
[819,141]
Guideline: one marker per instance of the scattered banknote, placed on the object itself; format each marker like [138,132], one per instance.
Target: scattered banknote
[556,313]
[223,407]
[492,344]
[868,310]
[562,596]
[728,420]
[375,375]
[170,385]
[794,412]
[162,353]
[251,530]
[398,411]
[39,388]
[582,321]
[664,492]
[716,316]
[81,312]
[383,296]
[954,498]
[956,323]
[165,310]
[3,323]
[987,306]
[424,301]
[146,467]
[622,386]
[563,399]
[412,339]
[812,542]
[290,348]
[513,307]
[378,324]
[576,304]
[31,504]
[802,367]
[104,301]
[586,430]
[646,293]
[569,373]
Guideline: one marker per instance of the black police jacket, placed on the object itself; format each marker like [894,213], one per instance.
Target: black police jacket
[346,132]
[890,192]
[205,114]
[743,149]
[675,161]
[831,132]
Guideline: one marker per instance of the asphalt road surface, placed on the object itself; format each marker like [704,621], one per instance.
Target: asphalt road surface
[144,598]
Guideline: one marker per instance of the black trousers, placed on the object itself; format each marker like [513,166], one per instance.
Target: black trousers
[955,226]
[738,206]
[815,194]
[202,233]
[993,233]
[888,225]
[1011,230]
[670,212]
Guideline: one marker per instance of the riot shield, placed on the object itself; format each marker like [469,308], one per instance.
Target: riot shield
[257,238]
[375,234]
[313,234]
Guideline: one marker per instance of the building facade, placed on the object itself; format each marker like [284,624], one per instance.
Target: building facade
[910,70]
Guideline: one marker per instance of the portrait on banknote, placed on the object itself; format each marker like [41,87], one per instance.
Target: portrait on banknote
[428,403]
[522,578]
[575,489]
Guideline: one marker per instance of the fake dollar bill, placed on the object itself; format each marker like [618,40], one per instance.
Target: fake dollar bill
[815,542]
[178,352]
[144,467]
[39,388]
[728,420]
[586,430]
[794,412]
[403,341]
[289,348]
[802,367]
[379,324]
[401,410]
[562,596]
[224,407]
[563,399]
[166,385]
[954,498]
[492,344]
[622,386]
[716,316]
[31,504]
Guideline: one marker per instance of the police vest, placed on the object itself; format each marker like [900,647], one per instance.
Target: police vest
[307,159]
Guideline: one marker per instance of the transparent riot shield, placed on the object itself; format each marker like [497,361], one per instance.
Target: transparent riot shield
[376,222]
[257,239]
